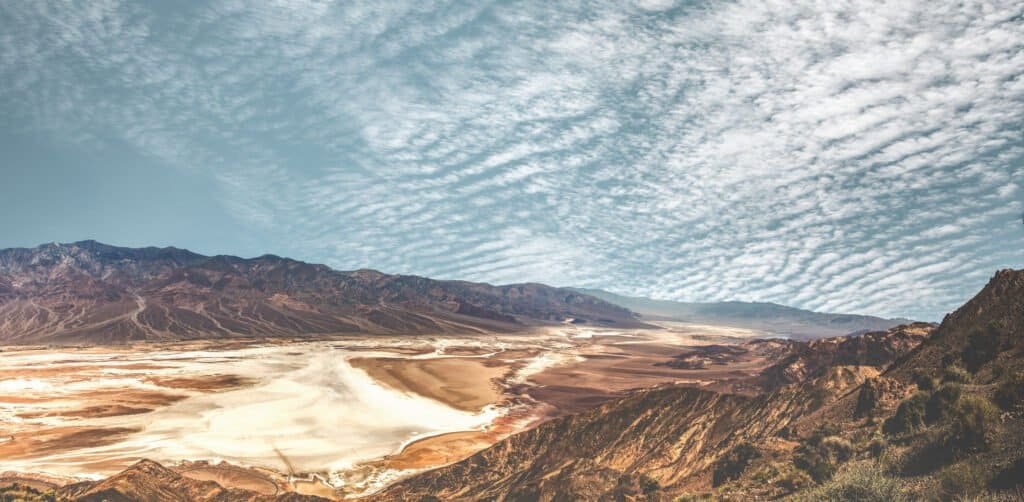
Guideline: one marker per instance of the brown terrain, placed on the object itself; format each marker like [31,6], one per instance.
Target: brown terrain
[88,292]
[666,443]
[916,412]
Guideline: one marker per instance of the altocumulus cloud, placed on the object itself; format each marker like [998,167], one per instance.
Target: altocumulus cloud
[846,156]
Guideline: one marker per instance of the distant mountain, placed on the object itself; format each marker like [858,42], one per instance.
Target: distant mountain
[88,292]
[770,317]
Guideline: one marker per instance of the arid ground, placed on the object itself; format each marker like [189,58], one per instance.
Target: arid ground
[337,417]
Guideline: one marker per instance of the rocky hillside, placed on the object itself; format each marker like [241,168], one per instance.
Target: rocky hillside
[662,443]
[151,481]
[900,415]
[89,292]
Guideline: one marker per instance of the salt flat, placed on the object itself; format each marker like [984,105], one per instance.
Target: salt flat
[341,416]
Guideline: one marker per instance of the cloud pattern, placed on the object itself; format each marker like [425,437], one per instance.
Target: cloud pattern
[860,156]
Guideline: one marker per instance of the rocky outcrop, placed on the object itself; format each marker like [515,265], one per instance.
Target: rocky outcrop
[814,359]
[89,292]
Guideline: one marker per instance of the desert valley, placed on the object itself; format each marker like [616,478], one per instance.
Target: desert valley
[321,413]
[102,395]
[511,251]
[338,417]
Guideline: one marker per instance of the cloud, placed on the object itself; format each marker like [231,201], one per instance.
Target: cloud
[854,156]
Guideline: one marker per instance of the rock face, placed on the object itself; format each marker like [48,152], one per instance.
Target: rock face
[89,292]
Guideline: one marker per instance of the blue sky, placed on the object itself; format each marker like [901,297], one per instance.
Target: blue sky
[842,156]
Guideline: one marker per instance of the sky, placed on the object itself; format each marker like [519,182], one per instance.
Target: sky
[845,156]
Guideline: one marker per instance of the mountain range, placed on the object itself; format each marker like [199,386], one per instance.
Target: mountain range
[88,292]
[769,317]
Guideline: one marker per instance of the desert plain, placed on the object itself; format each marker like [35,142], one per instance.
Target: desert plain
[336,417]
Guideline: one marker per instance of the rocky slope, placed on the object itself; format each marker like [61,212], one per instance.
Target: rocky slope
[151,481]
[832,406]
[661,443]
[88,292]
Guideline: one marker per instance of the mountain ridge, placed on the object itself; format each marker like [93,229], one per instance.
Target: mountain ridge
[89,292]
[773,318]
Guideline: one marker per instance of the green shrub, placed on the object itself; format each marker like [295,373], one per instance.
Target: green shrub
[955,374]
[909,415]
[864,483]
[972,423]
[923,380]
[1010,392]
[941,402]
[733,463]
[867,399]
[962,480]
[982,346]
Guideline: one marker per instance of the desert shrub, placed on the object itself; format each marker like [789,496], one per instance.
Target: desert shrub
[822,457]
[823,431]
[909,415]
[876,447]
[648,484]
[783,476]
[794,480]
[982,346]
[941,402]
[1011,477]
[818,397]
[965,479]
[867,399]
[971,424]
[733,463]
[865,483]
[19,493]
[923,380]
[955,374]
[1010,391]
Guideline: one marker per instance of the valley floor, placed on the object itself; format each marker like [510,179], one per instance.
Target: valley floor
[337,417]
